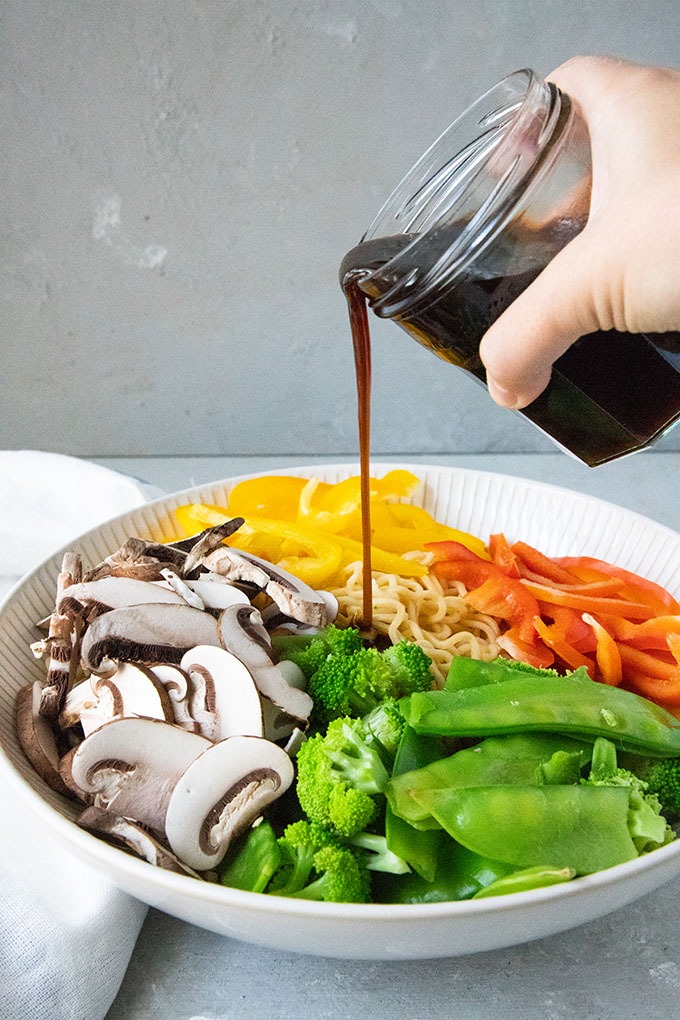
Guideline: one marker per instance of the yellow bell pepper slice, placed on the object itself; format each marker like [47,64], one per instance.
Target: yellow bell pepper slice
[195,517]
[309,554]
[384,561]
[275,496]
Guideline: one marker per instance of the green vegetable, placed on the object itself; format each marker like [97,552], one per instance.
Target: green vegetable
[458,874]
[309,652]
[517,758]
[418,847]
[646,825]
[580,827]
[564,704]
[386,725]
[464,672]
[316,866]
[662,776]
[339,772]
[253,861]
[528,878]
[352,683]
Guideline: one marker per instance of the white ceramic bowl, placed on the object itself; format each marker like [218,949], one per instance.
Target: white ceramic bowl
[557,521]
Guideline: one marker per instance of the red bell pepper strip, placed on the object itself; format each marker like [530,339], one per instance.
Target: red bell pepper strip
[502,555]
[507,599]
[553,637]
[655,593]
[536,562]
[649,635]
[536,654]
[607,654]
[589,603]
[448,549]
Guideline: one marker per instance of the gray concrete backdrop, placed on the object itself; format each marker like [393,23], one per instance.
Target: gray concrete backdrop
[180,182]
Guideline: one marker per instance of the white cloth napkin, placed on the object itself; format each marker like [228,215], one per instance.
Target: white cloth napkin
[62,955]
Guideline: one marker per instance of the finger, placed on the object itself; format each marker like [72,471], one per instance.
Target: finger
[519,349]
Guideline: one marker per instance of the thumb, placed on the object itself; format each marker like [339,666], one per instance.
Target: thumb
[520,347]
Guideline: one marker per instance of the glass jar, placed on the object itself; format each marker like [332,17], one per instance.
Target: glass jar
[472,224]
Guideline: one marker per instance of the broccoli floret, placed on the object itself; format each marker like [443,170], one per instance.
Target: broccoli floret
[315,865]
[646,824]
[410,667]
[310,652]
[386,725]
[377,855]
[353,685]
[662,776]
[338,774]
[341,879]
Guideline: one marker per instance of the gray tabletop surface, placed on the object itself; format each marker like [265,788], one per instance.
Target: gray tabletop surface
[625,965]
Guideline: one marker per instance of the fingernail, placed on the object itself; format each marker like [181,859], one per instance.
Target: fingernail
[506,398]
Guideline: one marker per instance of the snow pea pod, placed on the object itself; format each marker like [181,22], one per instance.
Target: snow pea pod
[418,847]
[562,704]
[584,828]
[528,878]
[460,874]
[524,759]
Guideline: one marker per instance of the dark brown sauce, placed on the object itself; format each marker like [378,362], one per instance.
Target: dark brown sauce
[361,340]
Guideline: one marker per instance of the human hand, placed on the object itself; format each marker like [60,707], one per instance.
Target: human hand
[622,271]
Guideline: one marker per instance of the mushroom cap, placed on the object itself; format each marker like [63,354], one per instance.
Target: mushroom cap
[220,794]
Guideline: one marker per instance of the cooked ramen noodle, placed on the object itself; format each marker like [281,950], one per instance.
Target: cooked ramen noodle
[419,609]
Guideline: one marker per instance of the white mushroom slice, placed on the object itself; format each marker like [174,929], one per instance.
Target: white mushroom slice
[37,738]
[147,633]
[275,620]
[132,690]
[182,589]
[232,700]
[79,699]
[293,597]
[242,633]
[63,643]
[178,686]
[95,597]
[220,794]
[130,767]
[217,592]
[128,834]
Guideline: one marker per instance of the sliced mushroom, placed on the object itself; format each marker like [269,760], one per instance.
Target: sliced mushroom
[231,703]
[292,596]
[37,738]
[217,592]
[147,633]
[130,767]
[275,620]
[62,643]
[220,794]
[96,597]
[208,540]
[242,633]
[133,690]
[79,699]
[128,834]
[178,686]
[138,558]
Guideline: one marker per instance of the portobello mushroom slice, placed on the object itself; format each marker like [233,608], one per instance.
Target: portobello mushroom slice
[154,632]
